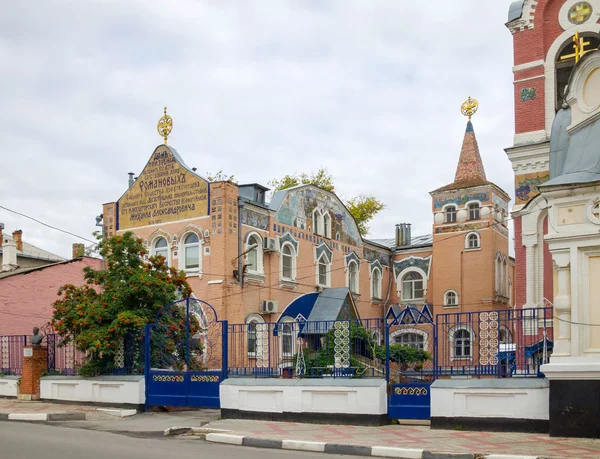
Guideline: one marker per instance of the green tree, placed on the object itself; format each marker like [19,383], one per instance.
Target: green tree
[116,302]
[363,207]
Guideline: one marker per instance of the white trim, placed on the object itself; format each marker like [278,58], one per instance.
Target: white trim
[399,283]
[416,331]
[451,340]
[446,305]
[293,256]
[260,270]
[528,65]
[292,322]
[349,272]
[371,280]
[252,318]
[182,251]
[467,245]
[328,271]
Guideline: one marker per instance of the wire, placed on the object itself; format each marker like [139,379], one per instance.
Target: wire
[47,225]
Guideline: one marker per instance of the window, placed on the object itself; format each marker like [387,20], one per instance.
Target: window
[473,241]
[474,211]
[450,214]
[451,299]
[353,276]
[376,284]
[412,286]
[323,271]
[326,225]
[254,256]
[505,335]
[288,262]
[318,222]
[161,248]
[191,252]
[287,339]
[413,340]
[251,338]
[462,344]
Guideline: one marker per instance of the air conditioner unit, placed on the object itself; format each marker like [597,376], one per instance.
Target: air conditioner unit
[269,306]
[270,244]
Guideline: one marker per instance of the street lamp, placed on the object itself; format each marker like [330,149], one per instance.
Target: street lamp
[100,223]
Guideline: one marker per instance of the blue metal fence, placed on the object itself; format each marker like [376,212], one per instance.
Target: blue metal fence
[497,344]
[286,349]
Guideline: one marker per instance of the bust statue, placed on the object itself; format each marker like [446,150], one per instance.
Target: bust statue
[36,339]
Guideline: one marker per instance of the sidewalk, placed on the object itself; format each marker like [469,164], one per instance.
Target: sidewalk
[417,437]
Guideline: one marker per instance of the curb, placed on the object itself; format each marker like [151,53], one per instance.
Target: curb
[173,431]
[42,417]
[347,449]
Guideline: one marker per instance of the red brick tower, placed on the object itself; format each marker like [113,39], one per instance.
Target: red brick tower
[545,50]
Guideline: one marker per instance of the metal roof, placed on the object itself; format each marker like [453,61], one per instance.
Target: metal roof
[515,11]
[329,304]
[416,241]
[31,251]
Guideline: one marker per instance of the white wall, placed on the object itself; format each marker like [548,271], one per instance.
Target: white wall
[8,386]
[102,389]
[491,398]
[305,396]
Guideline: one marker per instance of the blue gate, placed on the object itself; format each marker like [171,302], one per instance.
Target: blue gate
[185,355]
[409,391]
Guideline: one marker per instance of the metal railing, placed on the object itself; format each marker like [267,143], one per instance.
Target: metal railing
[286,349]
[497,344]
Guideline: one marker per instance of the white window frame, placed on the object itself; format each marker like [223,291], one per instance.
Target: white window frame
[349,277]
[379,283]
[293,257]
[447,295]
[468,241]
[154,251]
[452,340]
[259,269]
[401,284]
[252,319]
[327,222]
[287,357]
[414,331]
[478,210]
[317,222]
[327,271]
[183,252]
[446,213]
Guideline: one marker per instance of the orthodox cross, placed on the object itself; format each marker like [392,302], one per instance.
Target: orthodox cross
[579,45]
[469,107]
[165,126]
[580,13]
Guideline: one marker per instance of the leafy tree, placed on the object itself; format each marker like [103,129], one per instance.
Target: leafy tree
[363,207]
[116,302]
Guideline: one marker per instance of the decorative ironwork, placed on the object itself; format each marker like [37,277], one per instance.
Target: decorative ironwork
[410,391]
[204,378]
[168,378]
[5,363]
[120,354]
[165,126]
[469,107]
[341,333]
[262,345]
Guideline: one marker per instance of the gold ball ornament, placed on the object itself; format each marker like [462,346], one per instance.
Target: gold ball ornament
[165,126]
[469,107]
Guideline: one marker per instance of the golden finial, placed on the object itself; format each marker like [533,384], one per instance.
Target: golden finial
[469,107]
[165,126]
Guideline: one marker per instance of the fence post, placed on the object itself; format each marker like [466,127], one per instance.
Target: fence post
[147,363]
[387,351]
[224,347]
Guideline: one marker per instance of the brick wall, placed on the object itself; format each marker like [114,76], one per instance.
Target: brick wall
[520,280]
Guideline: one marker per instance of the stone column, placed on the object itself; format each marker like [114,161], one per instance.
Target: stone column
[562,303]
[34,365]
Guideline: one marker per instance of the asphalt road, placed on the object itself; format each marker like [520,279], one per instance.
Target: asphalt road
[20,440]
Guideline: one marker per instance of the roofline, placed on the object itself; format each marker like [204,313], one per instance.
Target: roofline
[256,185]
[16,272]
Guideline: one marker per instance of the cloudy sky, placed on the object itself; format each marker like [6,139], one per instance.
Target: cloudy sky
[370,89]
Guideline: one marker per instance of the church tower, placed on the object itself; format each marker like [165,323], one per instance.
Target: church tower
[471,266]
[549,37]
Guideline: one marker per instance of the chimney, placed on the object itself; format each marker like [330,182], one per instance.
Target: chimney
[1,229]
[78,250]
[403,235]
[9,254]
[398,236]
[18,237]
[131,180]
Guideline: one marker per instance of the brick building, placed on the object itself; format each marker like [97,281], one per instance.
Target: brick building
[251,259]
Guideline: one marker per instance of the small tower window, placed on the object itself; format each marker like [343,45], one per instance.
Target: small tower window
[473,241]
[450,214]
[474,211]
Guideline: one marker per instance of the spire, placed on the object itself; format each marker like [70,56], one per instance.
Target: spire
[469,171]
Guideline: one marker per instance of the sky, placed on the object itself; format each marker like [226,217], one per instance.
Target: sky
[369,89]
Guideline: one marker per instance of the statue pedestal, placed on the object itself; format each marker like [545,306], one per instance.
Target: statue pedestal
[35,363]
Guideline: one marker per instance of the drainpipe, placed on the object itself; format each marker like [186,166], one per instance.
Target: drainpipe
[241,203]
[389,293]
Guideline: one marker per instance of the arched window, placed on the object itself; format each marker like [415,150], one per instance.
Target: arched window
[287,339]
[473,241]
[161,248]
[327,225]
[413,340]
[288,262]
[412,286]
[450,299]
[376,284]
[251,330]
[565,61]
[255,255]
[323,271]
[191,252]
[353,276]
[462,344]
[505,335]
[318,222]
[451,214]
[474,211]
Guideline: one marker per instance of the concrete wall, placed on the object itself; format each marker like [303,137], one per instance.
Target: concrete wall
[8,386]
[121,390]
[489,404]
[360,401]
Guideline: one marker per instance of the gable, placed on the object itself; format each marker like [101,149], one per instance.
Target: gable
[165,191]
[297,206]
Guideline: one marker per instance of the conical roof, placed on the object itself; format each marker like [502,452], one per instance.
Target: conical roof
[469,171]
